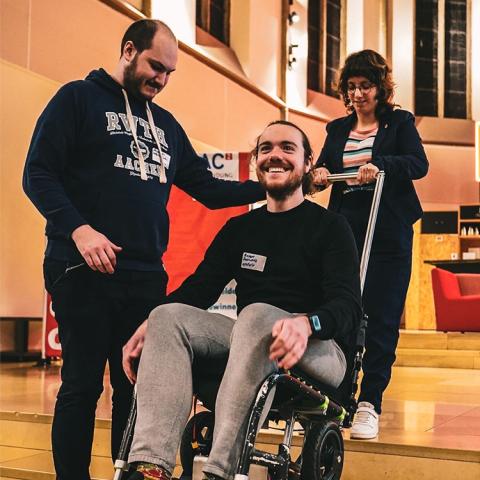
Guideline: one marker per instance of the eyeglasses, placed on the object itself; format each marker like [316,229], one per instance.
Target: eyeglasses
[364,88]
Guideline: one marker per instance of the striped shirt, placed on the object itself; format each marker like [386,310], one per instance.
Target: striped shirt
[358,152]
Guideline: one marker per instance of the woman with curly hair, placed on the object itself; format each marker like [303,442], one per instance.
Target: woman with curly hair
[376,136]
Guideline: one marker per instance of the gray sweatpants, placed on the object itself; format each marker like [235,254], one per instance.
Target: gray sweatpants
[178,333]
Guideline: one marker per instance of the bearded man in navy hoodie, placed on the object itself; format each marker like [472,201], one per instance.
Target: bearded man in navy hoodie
[100,167]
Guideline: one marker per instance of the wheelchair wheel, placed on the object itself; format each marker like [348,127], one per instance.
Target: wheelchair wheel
[197,439]
[323,452]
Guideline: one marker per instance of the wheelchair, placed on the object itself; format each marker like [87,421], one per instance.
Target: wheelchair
[301,404]
[320,410]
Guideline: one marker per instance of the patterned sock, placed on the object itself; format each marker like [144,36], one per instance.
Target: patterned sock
[151,471]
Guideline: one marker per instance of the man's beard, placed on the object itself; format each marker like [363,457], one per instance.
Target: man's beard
[130,80]
[282,191]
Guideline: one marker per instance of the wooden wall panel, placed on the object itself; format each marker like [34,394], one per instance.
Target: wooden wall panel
[24,95]
[314,129]
[195,94]
[70,38]
[246,117]
[451,176]
[419,307]
[14,31]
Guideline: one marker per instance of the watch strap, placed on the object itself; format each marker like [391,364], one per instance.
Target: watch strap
[315,324]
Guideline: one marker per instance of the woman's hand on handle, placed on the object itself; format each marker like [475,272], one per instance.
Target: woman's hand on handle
[367,173]
[320,176]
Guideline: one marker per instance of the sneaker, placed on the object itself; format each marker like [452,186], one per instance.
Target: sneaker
[149,471]
[365,422]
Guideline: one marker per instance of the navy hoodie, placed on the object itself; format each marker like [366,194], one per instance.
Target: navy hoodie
[83,168]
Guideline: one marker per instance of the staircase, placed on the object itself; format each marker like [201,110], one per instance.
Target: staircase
[427,348]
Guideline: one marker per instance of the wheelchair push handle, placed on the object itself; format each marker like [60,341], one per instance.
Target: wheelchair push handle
[341,177]
[372,219]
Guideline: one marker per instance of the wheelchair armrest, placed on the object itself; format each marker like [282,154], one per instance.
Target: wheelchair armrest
[328,390]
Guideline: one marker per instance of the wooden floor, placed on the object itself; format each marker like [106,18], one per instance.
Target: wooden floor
[430,424]
[437,407]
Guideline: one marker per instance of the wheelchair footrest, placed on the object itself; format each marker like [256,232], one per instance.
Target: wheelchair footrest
[267,459]
[256,472]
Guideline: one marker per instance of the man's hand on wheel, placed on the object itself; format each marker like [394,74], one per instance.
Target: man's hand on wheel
[97,250]
[290,340]
[132,351]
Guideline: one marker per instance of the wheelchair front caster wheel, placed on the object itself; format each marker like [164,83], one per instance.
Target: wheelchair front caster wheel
[197,439]
[323,452]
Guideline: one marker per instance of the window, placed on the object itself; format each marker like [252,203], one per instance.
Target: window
[441,67]
[455,100]
[134,9]
[325,20]
[213,16]
[141,5]
[426,65]
[314,72]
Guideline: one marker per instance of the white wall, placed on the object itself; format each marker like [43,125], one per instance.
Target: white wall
[255,37]
[179,15]
[403,51]
[475,59]
[297,76]
[354,28]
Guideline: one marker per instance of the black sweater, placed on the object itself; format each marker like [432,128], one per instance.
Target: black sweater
[82,168]
[303,260]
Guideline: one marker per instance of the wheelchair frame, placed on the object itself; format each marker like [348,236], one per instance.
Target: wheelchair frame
[319,408]
[322,408]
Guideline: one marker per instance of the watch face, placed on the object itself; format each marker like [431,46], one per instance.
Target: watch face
[315,321]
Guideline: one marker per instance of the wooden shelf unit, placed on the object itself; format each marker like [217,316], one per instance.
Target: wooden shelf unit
[468,217]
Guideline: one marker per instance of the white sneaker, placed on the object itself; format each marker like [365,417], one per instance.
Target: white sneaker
[365,422]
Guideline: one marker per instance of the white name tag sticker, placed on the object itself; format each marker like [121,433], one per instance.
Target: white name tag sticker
[165,157]
[252,261]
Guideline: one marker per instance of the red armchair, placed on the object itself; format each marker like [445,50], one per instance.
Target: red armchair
[457,301]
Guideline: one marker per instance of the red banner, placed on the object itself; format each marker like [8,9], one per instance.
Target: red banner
[51,344]
[193,226]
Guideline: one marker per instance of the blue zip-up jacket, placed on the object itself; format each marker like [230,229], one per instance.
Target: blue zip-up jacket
[83,168]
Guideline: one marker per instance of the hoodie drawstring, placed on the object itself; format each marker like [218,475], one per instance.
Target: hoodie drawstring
[153,128]
[143,171]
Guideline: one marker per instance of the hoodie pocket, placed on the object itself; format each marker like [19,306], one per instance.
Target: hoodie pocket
[139,226]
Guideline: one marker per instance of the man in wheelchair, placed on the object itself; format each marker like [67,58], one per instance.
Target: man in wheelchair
[298,298]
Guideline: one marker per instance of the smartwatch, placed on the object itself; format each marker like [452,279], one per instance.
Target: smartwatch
[315,324]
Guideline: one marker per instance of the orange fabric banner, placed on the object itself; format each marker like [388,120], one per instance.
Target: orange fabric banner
[193,226]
